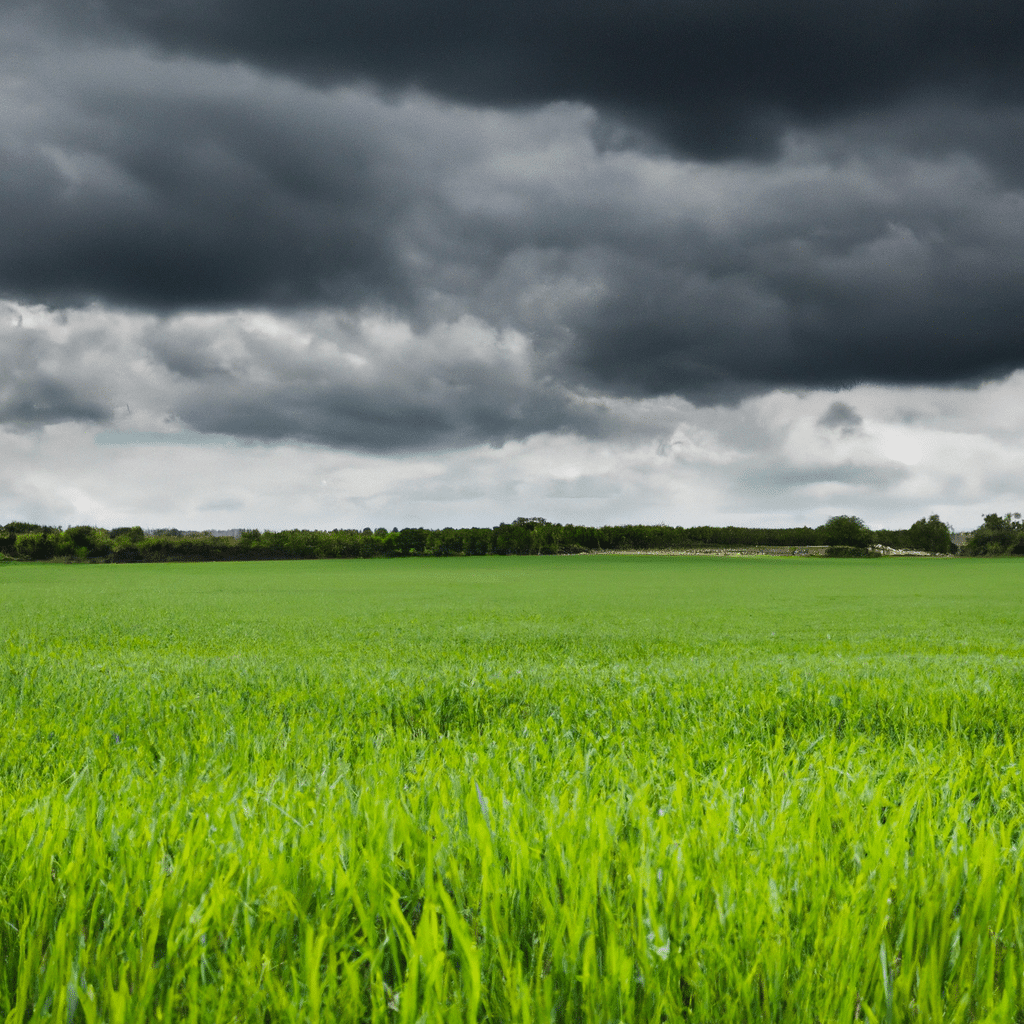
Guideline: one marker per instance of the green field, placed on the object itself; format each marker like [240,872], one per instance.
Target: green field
[598,788]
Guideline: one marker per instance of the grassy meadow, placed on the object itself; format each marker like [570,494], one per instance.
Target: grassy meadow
[597,788]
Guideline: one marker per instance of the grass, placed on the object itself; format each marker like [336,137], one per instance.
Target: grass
[561,789]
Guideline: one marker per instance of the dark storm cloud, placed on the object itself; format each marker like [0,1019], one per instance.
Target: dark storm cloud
[819,271]
[932,127]
[155,186]
[895,308]
[712,77]
[867,226]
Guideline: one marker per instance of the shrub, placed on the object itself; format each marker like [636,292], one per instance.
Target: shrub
[846,531]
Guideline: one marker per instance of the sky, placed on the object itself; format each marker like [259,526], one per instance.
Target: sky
[318,263]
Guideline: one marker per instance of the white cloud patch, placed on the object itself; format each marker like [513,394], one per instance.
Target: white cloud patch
[156,451]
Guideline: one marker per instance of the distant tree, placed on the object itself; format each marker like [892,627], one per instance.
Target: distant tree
[79,536]
[931,534]
[370,546]
[18,528]
[998,535]
[36,546]
[847,532]
[477,541]
[514,538]
[130,534]
[82,542]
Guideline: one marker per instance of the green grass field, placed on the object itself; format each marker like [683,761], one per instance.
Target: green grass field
[599,788]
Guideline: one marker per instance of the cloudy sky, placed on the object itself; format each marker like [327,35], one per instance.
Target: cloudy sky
[320,263]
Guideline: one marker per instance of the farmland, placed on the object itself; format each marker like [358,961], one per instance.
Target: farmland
[599,788]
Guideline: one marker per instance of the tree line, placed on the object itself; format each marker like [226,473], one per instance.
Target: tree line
[841,535]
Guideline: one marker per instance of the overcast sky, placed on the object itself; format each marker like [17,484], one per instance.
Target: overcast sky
[321,263]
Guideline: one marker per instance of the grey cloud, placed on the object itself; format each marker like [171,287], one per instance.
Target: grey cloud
[712,78]
[780,476]
[42,399]
[222,505]
[780,469]
[43,381]
[162,186]
[370,384]
[898,270]
[346,390]
[169,185]
[175,438]
[934,126]
[842,417]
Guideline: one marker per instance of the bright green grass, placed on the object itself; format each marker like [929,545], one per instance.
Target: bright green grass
[562,789]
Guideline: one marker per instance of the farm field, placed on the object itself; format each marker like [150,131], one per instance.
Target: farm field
[594,788]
